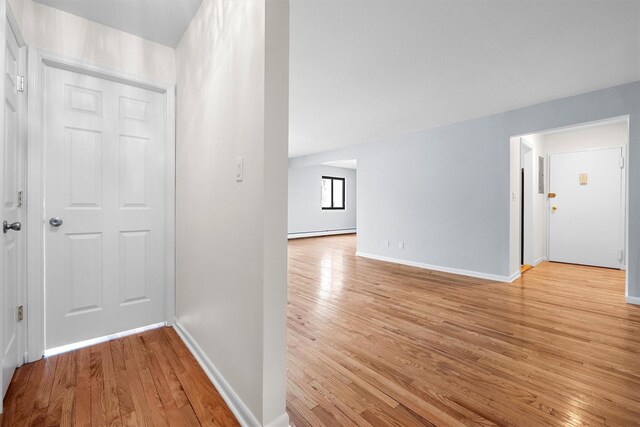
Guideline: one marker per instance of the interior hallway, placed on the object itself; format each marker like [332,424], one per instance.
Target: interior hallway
[372,343]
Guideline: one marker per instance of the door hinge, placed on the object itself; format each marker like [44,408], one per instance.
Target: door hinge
[620,254]
[19,204]
[621,162]
[20,84]
[20,313]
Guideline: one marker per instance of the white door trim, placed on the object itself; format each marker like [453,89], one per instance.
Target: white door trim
[38,60]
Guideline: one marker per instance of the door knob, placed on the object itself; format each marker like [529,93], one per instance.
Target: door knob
[56,221]
[16,226]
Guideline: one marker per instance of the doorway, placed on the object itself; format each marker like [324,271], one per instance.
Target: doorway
[527,191]
[572,197]
[103,211]
[101,239]
[12,175]
[322,199]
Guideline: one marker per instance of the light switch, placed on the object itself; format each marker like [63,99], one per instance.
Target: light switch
[239,167]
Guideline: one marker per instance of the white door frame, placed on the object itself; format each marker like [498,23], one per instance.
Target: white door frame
[38,60]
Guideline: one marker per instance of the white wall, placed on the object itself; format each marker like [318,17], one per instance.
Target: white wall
[450,189]
[305,212]
[588,138]
[526,162]
[232,101]
[78,38]
[539,201]
[536,229]
[17,7]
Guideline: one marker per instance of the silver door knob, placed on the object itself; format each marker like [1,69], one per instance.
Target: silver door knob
[56,221]
[16,226]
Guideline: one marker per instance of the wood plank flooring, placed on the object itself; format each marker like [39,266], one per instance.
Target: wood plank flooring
[148,379]
[378,344]
[372,343]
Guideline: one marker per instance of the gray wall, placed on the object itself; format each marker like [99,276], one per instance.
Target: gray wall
[445,192]
[305,213]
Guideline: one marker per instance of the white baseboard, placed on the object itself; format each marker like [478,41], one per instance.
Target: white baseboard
[281,421]
[321,233]
[238,407]
[539,260]
[633,300]
[513,277]
[495,277]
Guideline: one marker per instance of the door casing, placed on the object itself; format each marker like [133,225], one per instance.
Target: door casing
[38,60]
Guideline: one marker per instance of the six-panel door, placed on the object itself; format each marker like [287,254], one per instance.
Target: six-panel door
[104,178]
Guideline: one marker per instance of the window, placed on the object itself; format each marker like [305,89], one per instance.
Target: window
[332,192]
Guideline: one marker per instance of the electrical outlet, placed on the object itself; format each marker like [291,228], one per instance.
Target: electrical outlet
[386,244]
[401,245]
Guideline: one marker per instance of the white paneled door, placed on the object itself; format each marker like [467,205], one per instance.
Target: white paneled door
[104,207]
[586,217]
[12,237]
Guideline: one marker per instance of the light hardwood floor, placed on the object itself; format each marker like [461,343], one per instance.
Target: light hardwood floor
[372,343]
[148,379]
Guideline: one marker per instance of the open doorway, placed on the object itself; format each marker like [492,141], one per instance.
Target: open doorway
[323,199]
[527,200]
[572,197]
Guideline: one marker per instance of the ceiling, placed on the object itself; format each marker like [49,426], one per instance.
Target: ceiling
[161,21]
[364,70]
